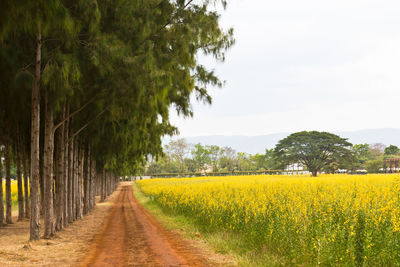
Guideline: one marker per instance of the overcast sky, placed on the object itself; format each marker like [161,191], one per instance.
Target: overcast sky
[305,65]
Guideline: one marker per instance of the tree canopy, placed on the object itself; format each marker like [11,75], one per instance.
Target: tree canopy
[314,149]
[100,76]
[392,150]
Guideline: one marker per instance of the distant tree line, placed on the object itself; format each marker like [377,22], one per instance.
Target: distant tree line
[182,157]
[372,157]
[315,151]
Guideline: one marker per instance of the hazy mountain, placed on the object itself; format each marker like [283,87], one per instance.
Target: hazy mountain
[258,144]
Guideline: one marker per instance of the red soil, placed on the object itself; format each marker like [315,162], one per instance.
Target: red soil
[132,237]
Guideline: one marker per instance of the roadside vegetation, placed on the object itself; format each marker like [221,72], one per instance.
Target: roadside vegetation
[328,220]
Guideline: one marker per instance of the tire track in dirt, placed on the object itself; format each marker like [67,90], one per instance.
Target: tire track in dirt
[132,237]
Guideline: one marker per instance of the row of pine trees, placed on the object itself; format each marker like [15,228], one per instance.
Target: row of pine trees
[86,90]
[74,190]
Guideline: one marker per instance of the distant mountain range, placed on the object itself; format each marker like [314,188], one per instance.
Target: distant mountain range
[258,144]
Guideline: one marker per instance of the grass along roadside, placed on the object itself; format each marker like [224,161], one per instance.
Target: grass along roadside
[233,246]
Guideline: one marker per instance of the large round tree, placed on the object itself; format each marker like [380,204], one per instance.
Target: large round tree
[314,149]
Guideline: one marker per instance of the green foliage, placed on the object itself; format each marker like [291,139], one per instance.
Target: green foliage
[244,163]
[316,150]
[265,161]
[373,166]
[375,158]
[360,239]
[201,156]
[181,157]
[177,150]
[392,150]
[362,152]
[227,159]
[122,64]
[162,165]
[376,150]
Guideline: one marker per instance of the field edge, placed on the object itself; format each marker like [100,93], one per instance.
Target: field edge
[224,248]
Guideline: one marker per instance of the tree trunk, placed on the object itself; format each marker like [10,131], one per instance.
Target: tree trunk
[66,167]
[26,184]
[86,183]
[60,177]
[79,212]
[98,183]
[49,226]
[107,185]
[35,133]
[1,190]
[8,183]
[93,183]
[70,182]
[19,179]
[75,181]
[314,173]
[102,186]
[116,182]
[112,181]
[109,177]
[90,175]
[41,178]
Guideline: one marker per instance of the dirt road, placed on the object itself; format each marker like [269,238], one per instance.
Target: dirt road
[132,237]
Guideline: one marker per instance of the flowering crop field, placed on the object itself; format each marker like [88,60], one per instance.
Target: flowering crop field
[14,193]
[330,220]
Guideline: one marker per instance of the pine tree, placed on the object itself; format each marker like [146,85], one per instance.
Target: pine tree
[108,70]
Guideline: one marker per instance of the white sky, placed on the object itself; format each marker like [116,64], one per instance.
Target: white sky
[305,65]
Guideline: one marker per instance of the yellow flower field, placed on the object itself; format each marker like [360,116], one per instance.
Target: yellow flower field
[14,192]
[332,219]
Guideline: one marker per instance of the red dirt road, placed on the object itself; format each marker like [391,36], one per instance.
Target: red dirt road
[132,237]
